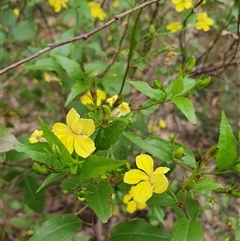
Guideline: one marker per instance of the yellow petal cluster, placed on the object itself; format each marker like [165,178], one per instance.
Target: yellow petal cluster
[58,4]
[203,22]
[87,98]
[96,10]
[132,205]
[37,136]
[174,26]
[75,134]
[122,109]
[182,4]
[146,179]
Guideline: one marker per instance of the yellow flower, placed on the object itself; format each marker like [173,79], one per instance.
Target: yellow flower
[147,180]
[37,136]
[115,4]
[58,4]
[87,98]
[75,134]
[122,109]
[132,205]
[162,124]
[50,77]
[181,4]
[203,22]
[174,26]
[112,100]
[96,10]
[16,12]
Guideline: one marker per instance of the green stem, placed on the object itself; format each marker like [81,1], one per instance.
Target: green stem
[182,165]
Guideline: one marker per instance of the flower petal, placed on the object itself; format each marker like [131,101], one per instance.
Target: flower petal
[160,182]
[72,118]
[143,191]
[162,170]
[68,141]
[135,176]
[127,198]
[84,146]
[84,127]
[61,129]
[145,162]
[131,206]
[141,206]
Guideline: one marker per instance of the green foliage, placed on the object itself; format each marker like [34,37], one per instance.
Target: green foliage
[98,197]
[135,52]
[184,229]
[61,227]
[138,230]
[226,143]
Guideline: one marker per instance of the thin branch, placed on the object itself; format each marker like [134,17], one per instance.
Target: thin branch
[80,37]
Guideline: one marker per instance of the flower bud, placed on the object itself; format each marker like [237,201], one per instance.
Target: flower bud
[209,155]
[40,169]
[203,82]
[235,193]
[93,89]
[179,153]
[198,156]
[157,84]
[55,150]
[190,64]
[152,30]
[237,167]
[106,115]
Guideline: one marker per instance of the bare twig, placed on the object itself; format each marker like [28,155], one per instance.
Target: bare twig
[80,37]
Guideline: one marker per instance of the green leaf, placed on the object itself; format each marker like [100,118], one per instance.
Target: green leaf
[40,152]
[70,66]
[160,148]
[226,144]
[186,230]
[100,164]
[177,86]
[60,228]
[206,184]
[144,88]
[7,139]
[65,156]
[193,207]
[162,200]
[99,199]
[110,135]
[51,178]
[70,184]
[76,89]
[32,199]
[23,31]
[188,86]
[138,230]
[48,64]
[186,106]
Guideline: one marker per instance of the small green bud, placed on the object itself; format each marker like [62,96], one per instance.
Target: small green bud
[152,29]
[179,153]
[237,167]
[93,89]
[198,156]
[190,64]
[40,169]
[157,84]
[172,137]
[106,115]
[235,193]
[203,82]
[209,155]
[55,150]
